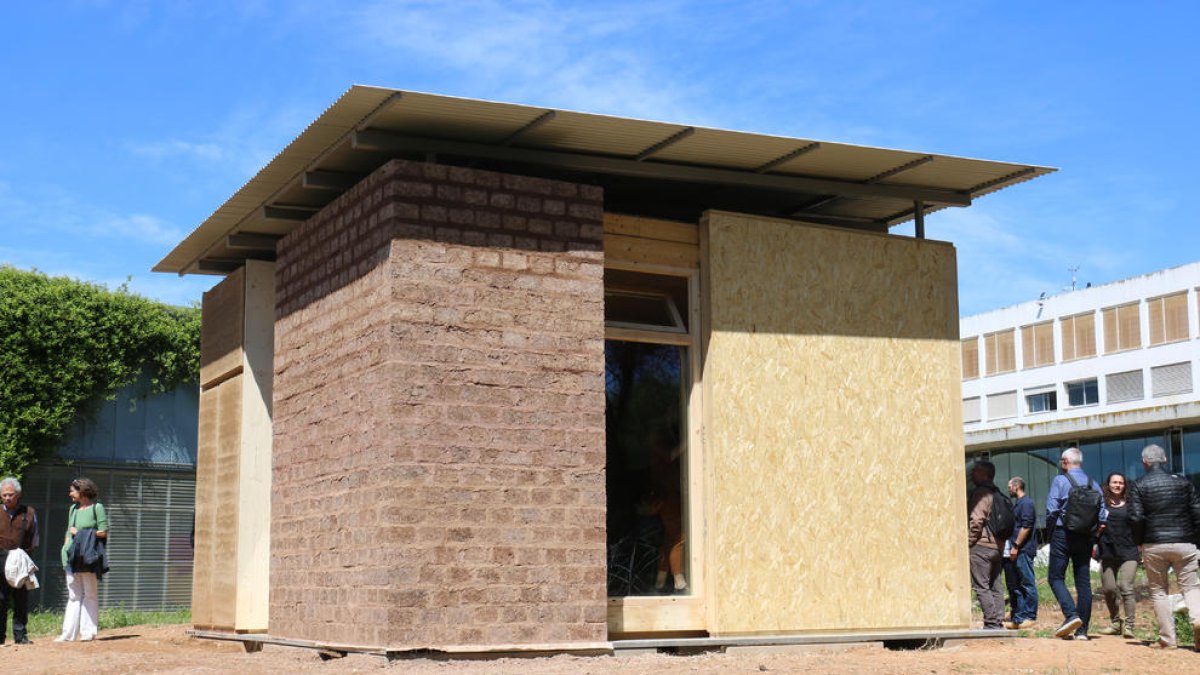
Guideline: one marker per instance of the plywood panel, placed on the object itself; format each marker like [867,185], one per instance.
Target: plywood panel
[651,228]
[833,439]
[254,471]
[233,515]
[221,331]
[225,502]
[206,483]
[651,242]
[650,615]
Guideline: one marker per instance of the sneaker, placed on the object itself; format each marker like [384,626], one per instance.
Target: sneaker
[1011,625]
[1127,632]
[1081,636]
[22,641]
[1027,624]
[1069,626]
[1114,629]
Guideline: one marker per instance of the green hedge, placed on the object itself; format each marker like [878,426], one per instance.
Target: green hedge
[65,345]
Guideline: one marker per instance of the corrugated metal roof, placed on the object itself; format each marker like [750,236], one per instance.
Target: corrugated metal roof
[773,175]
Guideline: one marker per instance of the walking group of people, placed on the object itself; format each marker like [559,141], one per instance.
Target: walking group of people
[1154,521]
[84,560]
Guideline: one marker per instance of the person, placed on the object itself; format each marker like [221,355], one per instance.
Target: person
[1018,563]
[1118,559]
[1164,514]
[18,530]
[668,505]
[83,603]
[984,546]
[1070,548]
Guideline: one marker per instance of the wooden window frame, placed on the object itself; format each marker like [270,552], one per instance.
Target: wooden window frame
[639,615]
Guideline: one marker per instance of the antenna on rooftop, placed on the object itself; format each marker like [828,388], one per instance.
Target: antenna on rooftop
[1074,279]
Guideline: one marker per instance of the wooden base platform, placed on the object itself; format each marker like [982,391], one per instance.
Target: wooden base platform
[680,645]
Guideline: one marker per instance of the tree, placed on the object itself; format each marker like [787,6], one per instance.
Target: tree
[65,345]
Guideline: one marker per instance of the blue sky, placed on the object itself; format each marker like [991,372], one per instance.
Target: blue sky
[125,124]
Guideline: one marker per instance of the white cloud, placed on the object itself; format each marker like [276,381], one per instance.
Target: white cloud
[49,213]
[139,227]
[158,150]
[589,57]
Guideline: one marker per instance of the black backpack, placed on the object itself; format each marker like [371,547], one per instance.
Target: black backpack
[1081,514]
[1001,520]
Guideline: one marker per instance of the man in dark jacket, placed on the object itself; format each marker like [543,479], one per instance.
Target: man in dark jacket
[1164,512]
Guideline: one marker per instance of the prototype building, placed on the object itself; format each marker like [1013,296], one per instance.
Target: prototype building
[1107,368]
[485,376]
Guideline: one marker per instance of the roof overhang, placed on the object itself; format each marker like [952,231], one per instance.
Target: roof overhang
[646,168]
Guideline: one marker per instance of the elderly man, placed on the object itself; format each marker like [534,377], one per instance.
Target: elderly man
[18,529]
[1164,512]
[985,545]
[1068,546]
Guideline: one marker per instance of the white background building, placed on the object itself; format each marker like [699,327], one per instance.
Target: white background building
[1109,368]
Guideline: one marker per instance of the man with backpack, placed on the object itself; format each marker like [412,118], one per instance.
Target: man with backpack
[1075,514]
[987,523]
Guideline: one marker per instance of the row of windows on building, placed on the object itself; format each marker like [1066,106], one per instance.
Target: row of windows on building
[1167,317]
[1165,380]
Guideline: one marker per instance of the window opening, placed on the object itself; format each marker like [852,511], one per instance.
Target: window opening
[1122,328]
[1037,345]
[1000,352]
[1044,401]
[1079,336]
[1168,318]
[645,479]
[1084,392]
[970,358]
[642,310]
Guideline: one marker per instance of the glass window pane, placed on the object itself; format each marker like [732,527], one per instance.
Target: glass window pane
[1112,458]
[645,480]
[650,310]
[1191,455]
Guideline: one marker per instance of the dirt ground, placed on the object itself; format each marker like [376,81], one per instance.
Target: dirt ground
[167,649]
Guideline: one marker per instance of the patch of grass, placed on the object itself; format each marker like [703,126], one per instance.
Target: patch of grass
[50,623]
[1184,635]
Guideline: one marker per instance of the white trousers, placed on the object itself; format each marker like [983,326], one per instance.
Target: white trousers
[83,607]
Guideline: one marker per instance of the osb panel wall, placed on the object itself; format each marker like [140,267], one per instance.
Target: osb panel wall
[221,335]
[439,414]
[834,430]
[214,581]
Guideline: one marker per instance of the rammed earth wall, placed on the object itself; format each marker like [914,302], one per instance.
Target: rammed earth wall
[439,414]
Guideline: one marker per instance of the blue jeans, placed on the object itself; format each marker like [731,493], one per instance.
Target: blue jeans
[1067,547]
[1022,587]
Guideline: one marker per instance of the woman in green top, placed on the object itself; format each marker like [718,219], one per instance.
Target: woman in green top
[83,604]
